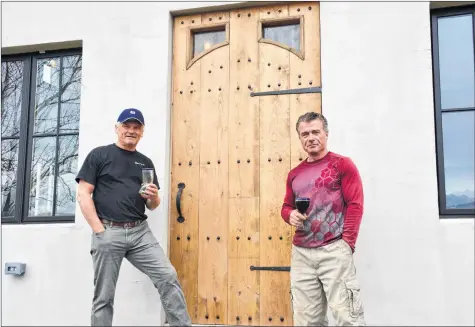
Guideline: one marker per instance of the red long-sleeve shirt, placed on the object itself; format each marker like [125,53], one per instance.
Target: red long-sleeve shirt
[334,187]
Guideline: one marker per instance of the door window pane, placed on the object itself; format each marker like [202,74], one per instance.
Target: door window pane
[47,95]
[42,176]
[9,176]
[459,153]
[71,94]
[12,85]
[456,61]
[67,169]
[285,34]
[202,41]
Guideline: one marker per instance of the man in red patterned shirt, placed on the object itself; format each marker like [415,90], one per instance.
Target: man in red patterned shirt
[323,271]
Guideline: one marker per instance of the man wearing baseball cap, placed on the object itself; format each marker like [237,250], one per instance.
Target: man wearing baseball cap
[112,174]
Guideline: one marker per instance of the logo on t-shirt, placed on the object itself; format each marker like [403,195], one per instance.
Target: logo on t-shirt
[139,163]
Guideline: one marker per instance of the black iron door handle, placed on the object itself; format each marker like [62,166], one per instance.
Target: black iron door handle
[180,218]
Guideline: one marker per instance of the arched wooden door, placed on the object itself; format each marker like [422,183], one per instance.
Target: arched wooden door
[232,148]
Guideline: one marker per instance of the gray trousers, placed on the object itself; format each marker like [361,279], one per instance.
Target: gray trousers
[140,247]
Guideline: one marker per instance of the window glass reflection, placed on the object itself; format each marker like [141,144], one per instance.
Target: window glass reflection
[285,34]
[12,84]
[9,176]
[47,162]
[71,94]
[67,169]
[47,96]
[459,144]
[42,176]
[203,41]
[457,78]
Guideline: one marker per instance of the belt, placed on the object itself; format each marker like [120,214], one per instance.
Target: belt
[126,224]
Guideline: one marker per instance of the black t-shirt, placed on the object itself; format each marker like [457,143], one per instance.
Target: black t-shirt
[117,176]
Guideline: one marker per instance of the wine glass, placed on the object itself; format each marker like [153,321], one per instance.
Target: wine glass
[302,204]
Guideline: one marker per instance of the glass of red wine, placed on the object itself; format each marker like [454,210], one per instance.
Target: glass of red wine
[302,204]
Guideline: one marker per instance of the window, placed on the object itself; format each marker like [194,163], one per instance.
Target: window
[286,33]
[204,39]
[454,97]
[40,129]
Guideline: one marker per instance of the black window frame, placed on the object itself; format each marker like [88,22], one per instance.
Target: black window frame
[435,15]
[25,151]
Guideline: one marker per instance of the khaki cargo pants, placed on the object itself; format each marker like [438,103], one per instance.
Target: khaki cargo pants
[325,277]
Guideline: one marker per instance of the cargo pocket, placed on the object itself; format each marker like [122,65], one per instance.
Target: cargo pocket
[355,303]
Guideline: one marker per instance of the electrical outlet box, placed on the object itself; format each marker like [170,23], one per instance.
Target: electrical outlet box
[15,268]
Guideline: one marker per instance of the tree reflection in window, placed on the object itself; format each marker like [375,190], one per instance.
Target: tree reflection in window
[42,176]
[47,95]
[12,86]
[42,160]
[9,171]
[69,115]
[54,163]
[67,169]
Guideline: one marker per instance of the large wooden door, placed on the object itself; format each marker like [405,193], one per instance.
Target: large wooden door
[232,151]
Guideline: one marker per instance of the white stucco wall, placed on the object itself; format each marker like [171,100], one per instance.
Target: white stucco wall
[377,94]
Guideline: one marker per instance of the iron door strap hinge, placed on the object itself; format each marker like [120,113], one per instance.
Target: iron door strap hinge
[291,91]
[276,268]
